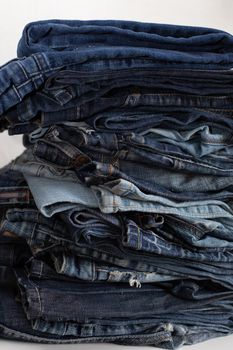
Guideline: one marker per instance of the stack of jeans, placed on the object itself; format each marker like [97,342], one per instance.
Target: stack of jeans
[117,219]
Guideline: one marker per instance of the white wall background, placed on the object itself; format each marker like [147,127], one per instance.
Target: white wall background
[14,14]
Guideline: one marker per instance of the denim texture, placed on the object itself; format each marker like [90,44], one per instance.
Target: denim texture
[137,46]
[107,243]
[80,91]
[116,220]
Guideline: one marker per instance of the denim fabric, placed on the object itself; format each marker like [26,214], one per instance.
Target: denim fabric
[15,195]
[125,111]
[41,108]
[100,173]
[171,184]
[96,168]
[143,177]
[210,145]
[151,233]
[27,163]
[19,77]
[123,195]
[66,34]
[84,88]
[15,326]
[68,266]
[32,71]
[199,141]
[56,321]
[47,36]
[14,190]
[46,235]
[53,196]
[121,302]
[14,252]
[209,215]
[116,220]
[10,177]
[125,120]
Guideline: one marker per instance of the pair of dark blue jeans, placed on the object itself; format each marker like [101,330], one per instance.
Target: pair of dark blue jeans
[27,74]
[15,325]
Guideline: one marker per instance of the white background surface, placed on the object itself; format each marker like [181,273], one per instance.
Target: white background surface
[14,14]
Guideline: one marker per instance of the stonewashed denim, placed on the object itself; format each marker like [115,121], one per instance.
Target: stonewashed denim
[170,227]
[27,163]
[66,266]
[84,303]
[149,233]
[96,168]
[122,195]
[53,196]
[45,235]
[51,318]
[211,145]
[14,325]
[116,221]
[147,184]
[170,184]
[50,199]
